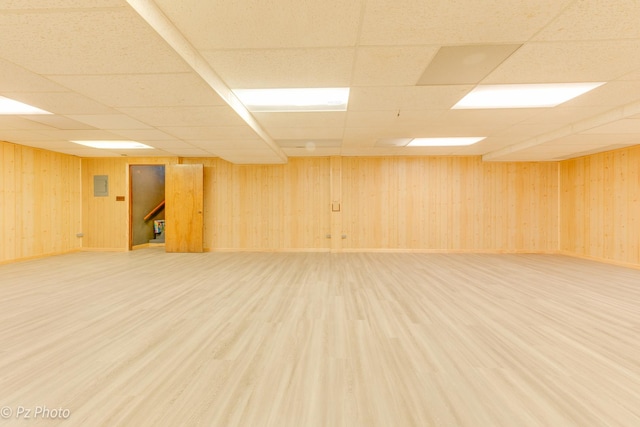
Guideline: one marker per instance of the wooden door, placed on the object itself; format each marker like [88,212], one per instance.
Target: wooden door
[184,204]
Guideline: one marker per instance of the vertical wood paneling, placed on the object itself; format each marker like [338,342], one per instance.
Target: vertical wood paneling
[266,207]
[105,221]
[412,203]
[40,202]
[600,206]
[449,203]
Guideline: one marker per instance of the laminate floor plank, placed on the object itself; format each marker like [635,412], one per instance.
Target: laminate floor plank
[146,338]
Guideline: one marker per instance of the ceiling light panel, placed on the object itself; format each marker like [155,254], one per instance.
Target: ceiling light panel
[523,95]
[10,106]
[114,145]
[297,99]
[445,142]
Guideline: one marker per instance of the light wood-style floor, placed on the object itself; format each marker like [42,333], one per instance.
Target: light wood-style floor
[147,338]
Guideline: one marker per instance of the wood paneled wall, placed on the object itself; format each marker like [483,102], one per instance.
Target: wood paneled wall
[105,221]
[404,203]
[40,202]
[600,206]
[266,207]
[449,204]
[397,203]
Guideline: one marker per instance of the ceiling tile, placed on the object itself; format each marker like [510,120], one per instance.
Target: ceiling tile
[16,5]
[391,65]
[210,132]
[405,98]
[467,64]
[59,122]
[68,135]
[595,20]
[110,121]
[8,122]
[143,135]
[308,119]
[305,133]
[568,62]
[442,22]
[18,79]
[85,41]
[283,68]
[185,116]
[141,90]
[258,24]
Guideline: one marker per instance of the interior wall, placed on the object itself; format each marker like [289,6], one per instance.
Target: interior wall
[449,204]
[40,202]
[266,207]
[600,208]
[105,220]
[396,203]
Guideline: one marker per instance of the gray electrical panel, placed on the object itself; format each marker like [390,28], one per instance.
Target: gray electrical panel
[100,185]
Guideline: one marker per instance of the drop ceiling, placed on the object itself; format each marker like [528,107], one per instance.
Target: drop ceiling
[162,73]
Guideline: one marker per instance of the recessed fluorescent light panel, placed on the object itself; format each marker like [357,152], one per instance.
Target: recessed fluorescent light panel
[283,100]
[113,145]
[523,95]
[445,142]
[9,106]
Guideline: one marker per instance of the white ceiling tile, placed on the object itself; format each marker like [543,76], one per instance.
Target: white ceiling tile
[306,133]
[568,62]
[226,145]
[259,24]
[10,122]
[391,65]
[141,90]
[18,79]
[385,98]
[210,132]
[442,22]
[85,41]
[283,68]
[390,119]
[608,95]
[190,152]
[110,121]
[15,5]
[309,144]
[185,116]
[308,119]
[143,135]
[58,122]
[171,144]
[595,20]
[565,114]
[68,135]
[20,136]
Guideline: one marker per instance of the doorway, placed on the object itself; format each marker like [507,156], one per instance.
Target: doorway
[146,198]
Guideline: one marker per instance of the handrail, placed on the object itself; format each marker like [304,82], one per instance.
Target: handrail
[154,211]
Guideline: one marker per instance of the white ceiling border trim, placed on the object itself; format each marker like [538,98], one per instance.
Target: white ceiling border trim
[578,127]
[153,15]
